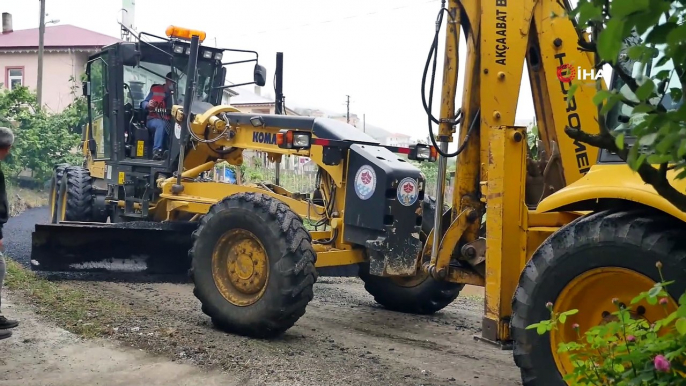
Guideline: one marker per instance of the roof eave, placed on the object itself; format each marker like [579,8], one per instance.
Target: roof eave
[29,49]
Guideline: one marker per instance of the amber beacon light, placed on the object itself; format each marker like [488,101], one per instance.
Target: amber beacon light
[185,33]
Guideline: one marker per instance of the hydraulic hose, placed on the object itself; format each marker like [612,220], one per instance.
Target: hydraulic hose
[433,53]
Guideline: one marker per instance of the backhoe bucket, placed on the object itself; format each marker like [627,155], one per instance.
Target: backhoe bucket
[150,247]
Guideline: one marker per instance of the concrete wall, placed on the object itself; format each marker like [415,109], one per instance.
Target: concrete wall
[58,68]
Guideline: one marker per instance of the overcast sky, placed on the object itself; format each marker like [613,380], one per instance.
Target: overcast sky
[374,51]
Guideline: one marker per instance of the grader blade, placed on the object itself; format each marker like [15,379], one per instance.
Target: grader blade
[149,247]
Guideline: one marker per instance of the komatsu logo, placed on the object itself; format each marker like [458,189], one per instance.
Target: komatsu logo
[262,137]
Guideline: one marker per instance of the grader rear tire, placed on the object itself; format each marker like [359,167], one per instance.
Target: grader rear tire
[253,265]
[55,181]
[75,199]
[583,266]
[417,294]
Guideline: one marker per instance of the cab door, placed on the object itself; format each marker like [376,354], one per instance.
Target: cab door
[97,92]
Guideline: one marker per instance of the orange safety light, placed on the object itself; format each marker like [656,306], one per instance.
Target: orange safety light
[434,154]
[185,33]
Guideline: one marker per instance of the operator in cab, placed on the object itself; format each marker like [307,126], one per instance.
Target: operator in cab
[158,100]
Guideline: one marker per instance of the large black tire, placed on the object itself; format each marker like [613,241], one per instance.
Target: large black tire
[55,181]
[631,239]
[290,257]
[76,195]
[425,296]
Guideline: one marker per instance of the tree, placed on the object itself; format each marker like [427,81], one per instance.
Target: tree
[643,42]
[41,139]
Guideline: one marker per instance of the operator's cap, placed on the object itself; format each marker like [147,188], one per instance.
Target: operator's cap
[172,76]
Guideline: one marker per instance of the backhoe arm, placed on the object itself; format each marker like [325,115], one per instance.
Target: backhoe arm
[492,173]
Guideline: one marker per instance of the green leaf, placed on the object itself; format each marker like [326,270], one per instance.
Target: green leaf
[618,368]
[621,8]
[648,140]
[563,318]
[541,329]
[571,312]
[600,96]
[532,326]
[658,35]
[677,35]
[572,90]
[681,326]
[645,90]
[610,39]
[619,141]
[659,158]
[642,108]
[589,11]
[682,149]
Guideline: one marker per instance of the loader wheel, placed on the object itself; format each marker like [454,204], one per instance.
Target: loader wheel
[55,181]
[76,195]
[420,294]
[253,265]
[583,266]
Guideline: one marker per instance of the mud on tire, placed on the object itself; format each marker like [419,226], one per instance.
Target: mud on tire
[77,185]
[426,297]
[290,260]
[55,182]
[632,239]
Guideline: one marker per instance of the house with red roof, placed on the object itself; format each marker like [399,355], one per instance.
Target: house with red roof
[65,53]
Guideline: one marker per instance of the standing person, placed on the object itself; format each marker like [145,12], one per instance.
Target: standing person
[6,142]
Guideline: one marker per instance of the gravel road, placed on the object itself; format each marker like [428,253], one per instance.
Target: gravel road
[345,338]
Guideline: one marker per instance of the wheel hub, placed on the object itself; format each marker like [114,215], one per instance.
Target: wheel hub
[240,267]
[592,293]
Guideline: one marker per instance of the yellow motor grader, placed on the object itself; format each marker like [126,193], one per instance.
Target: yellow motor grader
[576,228]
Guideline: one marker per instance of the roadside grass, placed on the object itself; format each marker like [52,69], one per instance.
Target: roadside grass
[80,312]
[21,199]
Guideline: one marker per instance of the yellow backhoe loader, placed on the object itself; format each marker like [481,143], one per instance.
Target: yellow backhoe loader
[577,228]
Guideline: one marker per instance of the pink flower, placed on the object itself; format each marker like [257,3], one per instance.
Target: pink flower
[663,301]
[630,338]
[575,326]
[658,264]
[615,301]
[549,305]
[661,364]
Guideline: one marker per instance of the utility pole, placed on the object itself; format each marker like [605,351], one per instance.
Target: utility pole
[348,109]
[278,106]
[279,84]
[41,34]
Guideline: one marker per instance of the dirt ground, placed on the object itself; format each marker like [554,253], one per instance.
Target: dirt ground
[344,338]
[41,354]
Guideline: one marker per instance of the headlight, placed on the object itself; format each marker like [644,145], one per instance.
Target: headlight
[423,153]
[207,54]
[301,140]
[178,49]
[289,139]
[219,55]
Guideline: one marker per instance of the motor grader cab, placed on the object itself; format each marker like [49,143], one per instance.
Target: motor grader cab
[577,229]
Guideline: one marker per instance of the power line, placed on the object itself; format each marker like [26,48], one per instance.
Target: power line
[382,11]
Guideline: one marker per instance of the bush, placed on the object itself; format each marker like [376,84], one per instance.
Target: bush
[627,351]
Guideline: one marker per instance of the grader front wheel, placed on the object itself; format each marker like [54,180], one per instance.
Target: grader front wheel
[75,198]
[584,266]
[253,265]
[419,294]
[55,181]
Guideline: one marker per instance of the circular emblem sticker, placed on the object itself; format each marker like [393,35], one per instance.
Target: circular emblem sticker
[407,191]
[365,182]
[177,130]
